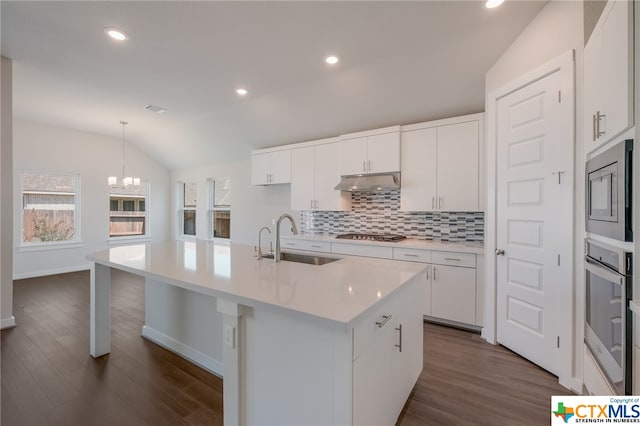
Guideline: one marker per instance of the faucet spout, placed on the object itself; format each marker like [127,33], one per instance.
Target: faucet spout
[294,229]
[260,240]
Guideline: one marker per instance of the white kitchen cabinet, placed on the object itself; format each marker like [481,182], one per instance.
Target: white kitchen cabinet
[271,167]
[388,345]
[608,75]
[453,293]
[440,166]
[314,174]
[370,152]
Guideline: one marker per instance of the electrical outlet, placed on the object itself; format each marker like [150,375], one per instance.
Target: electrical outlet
[230,336]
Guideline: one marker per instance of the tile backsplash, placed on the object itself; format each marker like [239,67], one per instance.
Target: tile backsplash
[379,212]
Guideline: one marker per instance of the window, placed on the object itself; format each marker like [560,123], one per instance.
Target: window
[50,208]
[220,208]
[127,216]
[188,195]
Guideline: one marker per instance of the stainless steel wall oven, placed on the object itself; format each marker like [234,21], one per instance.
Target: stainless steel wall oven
[608,318]
[608,192]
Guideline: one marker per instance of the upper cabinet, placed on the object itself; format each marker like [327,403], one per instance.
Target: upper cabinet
[269,167]
[608,75]
[314,173]
[374,151]
[441,165]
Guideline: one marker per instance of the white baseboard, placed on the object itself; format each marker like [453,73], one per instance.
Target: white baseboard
[55,271]
[210,364]
[7,322]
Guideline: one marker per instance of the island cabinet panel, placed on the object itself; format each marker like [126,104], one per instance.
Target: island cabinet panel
[389,357]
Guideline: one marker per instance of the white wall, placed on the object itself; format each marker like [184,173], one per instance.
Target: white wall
[557,29]
[44,148]
[6,188]
[251,206]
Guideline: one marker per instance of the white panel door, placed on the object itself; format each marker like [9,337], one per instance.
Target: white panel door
[280,166]
[327,169]
[458,178]
[418,161]
[353,156]
[383,153]
[534,221]
[302,178]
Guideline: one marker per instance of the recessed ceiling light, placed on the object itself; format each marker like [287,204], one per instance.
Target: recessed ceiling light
[155,108]
[116,34]
[331,60]
[490,4]
[241,91]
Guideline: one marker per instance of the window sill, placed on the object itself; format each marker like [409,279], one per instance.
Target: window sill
[25,248]
[186,237]
[130,239]
[217,240]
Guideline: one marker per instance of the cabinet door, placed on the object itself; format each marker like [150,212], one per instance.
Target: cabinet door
[383,153]
[592,89]
[372,379]
[353,156]
[259,169]
[457,174]
[418,154]
[617,72]
[453,293]
[302,178]
[280,166]
[407,360]
[327,176]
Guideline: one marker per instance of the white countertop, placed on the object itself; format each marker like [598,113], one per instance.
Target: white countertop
[458,247]
[339,291]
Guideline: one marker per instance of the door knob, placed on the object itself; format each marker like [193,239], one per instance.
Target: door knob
[499,252]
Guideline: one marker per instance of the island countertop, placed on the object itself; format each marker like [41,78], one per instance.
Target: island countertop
[339,291]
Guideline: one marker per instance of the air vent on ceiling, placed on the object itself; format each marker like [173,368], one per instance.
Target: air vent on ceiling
[155,108]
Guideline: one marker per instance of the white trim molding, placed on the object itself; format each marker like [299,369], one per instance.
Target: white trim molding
[210,364]
[55,271]
[7,322]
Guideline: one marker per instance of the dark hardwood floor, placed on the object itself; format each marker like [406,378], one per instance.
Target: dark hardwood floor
[48,377]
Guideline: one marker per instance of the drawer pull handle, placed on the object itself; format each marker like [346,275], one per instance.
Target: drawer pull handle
[410,255]
[315,246]
[452,258]
[399,346]
[290,244]
[385,319]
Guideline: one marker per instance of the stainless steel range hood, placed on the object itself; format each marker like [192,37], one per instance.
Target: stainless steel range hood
[370,183]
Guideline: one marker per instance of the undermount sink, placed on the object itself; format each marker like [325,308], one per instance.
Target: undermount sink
[303,258]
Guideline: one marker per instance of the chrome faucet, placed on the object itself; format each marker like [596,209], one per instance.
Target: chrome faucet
[294,229]
[260,241]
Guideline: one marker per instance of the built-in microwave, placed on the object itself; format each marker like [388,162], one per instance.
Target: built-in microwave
[608,192]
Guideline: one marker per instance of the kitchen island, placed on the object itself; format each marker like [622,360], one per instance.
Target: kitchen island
[339,343]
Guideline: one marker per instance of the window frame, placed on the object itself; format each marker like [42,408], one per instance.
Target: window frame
[182,209]
[126,239]
[26,246]
[211,209]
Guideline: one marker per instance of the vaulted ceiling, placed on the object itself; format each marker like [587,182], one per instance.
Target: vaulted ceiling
[400,62]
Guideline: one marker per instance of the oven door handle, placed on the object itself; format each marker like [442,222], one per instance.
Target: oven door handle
[599,270]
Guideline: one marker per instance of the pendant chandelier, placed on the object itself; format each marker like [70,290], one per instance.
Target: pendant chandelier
[123,180]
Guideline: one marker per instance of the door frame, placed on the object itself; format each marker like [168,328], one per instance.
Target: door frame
[565,65]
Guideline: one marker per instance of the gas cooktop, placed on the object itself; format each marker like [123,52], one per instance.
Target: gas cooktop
[372,237]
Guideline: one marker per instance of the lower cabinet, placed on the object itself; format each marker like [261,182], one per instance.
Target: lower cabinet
[388,345]
[453,293]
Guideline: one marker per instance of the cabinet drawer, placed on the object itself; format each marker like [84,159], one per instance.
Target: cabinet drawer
[374,325]
[412,255]
[362,250]
[321,246]
[467,260]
